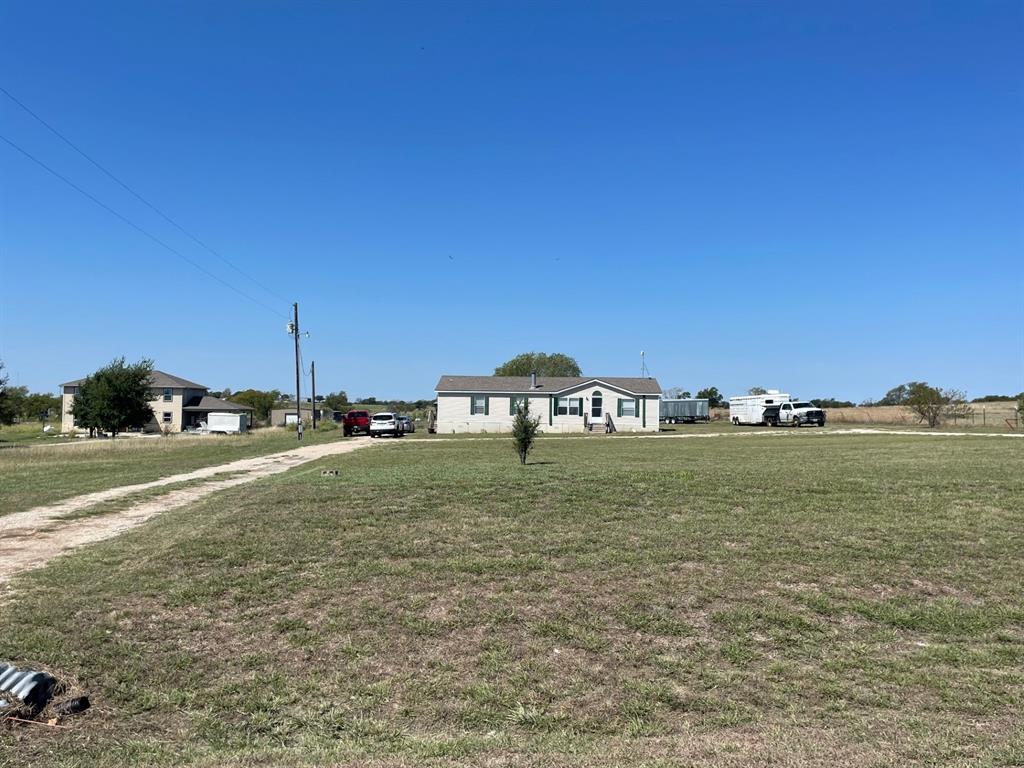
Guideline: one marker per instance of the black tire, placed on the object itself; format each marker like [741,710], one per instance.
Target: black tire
[796,422]
[348,433]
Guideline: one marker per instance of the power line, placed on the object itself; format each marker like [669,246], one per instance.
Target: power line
[138,196]
[139,229]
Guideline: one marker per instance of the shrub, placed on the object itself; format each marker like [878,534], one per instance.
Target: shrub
[524,430]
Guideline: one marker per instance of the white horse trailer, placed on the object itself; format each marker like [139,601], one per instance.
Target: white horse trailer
[749,409]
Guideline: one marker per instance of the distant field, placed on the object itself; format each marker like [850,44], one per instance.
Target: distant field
[985,414]
[803,599]
[34,474]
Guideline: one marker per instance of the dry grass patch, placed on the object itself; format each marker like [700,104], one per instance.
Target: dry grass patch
[651,602]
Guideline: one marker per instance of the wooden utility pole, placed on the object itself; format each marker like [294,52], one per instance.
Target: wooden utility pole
[298,399]
[312,374]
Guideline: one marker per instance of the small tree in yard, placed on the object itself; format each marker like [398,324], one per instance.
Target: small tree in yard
[115,398]
[7,406]
[932,405]
[524,430]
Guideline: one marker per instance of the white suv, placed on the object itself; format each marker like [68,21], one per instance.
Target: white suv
[386,424]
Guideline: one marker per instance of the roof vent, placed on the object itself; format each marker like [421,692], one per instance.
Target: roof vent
[533,380]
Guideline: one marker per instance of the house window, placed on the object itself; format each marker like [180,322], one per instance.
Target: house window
[478,405]
[627,407]
[167,417]
[167,394]
[569,406]
[515,403]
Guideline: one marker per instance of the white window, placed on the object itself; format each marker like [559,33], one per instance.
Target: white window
[627,407]
[478,405]
[569,406]
[515,403]
[167,394]
[167,417]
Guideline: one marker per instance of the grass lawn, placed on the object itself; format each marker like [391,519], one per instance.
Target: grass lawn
[30,476]
[811,600]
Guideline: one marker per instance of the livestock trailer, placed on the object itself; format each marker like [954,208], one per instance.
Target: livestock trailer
[685,411]
[749,409]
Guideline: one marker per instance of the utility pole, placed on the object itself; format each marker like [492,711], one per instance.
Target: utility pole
[312,373]
[298,400]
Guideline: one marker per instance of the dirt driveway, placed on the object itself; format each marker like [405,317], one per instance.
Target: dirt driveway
[32,538]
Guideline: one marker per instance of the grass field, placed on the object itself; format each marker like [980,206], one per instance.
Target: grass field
[34,475]
[30,433]
[807,600]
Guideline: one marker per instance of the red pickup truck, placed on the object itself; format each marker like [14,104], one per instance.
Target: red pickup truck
[356,421]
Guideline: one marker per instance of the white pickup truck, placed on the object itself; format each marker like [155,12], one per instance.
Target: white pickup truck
[793,414]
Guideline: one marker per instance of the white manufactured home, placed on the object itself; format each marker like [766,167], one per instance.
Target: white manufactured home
[563,403]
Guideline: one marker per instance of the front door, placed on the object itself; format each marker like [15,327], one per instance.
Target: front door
[596,407]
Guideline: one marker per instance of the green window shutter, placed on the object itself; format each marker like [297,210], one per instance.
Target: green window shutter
[487,406]
[512,405]
[643,422]
[581,406]
[551,410]
[619,414]
[470,405]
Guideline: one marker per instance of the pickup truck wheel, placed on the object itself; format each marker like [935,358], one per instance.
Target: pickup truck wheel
[796,422]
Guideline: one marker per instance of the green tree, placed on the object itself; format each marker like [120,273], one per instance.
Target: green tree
[524,430]
[336,401]
[932,405]
[555,364]
[712,395]
[17,398]
[998,398]
[115,398]
[757,391]
[261,402]
[40,405]
[7,408]
[899,395]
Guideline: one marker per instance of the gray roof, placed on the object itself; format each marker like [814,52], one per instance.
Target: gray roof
[545,384]
[158,379]
[211,403]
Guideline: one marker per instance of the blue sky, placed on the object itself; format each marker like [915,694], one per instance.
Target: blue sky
[826,197]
